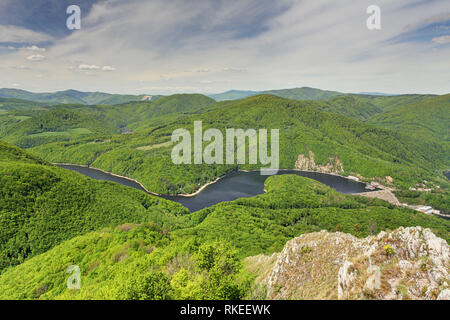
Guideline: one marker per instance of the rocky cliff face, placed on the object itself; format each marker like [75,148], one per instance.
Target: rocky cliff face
[307,163]
[408,263]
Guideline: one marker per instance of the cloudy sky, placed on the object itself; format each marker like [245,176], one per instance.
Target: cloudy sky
[168,46]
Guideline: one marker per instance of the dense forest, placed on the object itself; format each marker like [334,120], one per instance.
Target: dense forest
[164,252]
[132,245]
[362,148]
[42,205]
[27,124]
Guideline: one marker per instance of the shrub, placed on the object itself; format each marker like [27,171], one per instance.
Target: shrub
[150,286]
[389,251]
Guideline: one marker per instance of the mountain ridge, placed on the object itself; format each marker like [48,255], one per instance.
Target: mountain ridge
[69,96]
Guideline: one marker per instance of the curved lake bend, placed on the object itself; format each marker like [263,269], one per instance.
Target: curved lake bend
[234,185]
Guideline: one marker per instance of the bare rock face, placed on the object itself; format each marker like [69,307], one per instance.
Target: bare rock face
[408,263]
[308,163]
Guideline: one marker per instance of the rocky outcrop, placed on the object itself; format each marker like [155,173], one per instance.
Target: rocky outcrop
[307,163]
[408,263]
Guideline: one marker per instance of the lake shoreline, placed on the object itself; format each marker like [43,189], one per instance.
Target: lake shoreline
[187,195]
[140,184]
[383,193]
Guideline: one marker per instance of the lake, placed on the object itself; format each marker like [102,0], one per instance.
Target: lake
[235,185]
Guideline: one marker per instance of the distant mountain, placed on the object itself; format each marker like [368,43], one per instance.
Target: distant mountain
[378,94]
[304,93]
[71,96]
[233,95]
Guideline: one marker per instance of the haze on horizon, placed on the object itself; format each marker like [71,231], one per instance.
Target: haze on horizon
[156,47]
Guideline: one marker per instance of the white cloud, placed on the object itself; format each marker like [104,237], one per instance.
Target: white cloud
[88,67]
[318,43]
[93,67]
[442,40]
[34,48]
[108,68]
[36,57]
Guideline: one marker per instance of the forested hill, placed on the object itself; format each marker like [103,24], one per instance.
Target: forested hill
[351,106]
[202,257]
[12,153]
[42,205]
[27,124]
[427,119]
[366,107]
[304,93]
[55,125]
[8,104]
[361,148]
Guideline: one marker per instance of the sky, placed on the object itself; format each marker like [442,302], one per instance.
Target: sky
[211,46]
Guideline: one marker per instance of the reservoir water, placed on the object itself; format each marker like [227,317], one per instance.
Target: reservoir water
[235,185]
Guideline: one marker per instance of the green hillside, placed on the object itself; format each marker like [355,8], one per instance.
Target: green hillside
[42,205]
[428,119]
[365,107]
[54,125]
[66,122]
[387,103]
[8,104]
[361,148]
[351,106]
[169,108]
[202,258]
[12,153]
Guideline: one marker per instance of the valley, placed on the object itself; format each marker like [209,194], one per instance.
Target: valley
[214,159]
[330,149]
[227,188]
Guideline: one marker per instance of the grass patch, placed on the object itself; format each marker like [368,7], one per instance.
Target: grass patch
[155,146]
